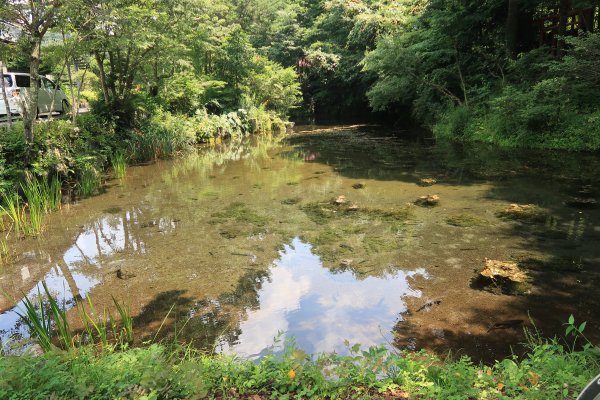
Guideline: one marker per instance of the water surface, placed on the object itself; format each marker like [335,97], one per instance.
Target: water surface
[244,242]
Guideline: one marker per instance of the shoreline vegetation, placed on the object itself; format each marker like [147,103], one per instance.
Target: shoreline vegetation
[161,77]
[98,363]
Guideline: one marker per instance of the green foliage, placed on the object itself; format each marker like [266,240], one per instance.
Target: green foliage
[44,318]
[41,197]
[548,370]
[273,87]
[119,164]
[88,180]
[156,371]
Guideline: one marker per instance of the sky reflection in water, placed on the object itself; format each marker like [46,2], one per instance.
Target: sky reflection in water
[321,309]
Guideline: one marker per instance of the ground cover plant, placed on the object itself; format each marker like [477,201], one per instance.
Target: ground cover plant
[550,370]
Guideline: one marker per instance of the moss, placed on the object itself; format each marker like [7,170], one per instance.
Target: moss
[465,220]
[239,212]
[379,244]
[333,253]
[525,213]
[323,212]
[230,233]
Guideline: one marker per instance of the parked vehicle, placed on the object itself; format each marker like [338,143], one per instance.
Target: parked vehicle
[17,87]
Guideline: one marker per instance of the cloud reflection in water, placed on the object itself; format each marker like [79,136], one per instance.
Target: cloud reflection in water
[321,309]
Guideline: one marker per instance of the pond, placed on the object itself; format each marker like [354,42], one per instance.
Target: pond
[316,236]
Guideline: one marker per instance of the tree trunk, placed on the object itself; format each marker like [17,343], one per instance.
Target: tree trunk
[563,17]
[4,96]
[75,107]
[71,86]
[512,27]
[102,76]
[31,104]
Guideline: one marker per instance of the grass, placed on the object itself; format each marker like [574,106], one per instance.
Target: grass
[549,371]
[88,182]
[49,325]
[5,253]
[41,197]
[552,368]
[291,201]
[15,211]
[119,164]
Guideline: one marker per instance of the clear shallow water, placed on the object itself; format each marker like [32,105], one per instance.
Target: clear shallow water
[321,309]
[243,241]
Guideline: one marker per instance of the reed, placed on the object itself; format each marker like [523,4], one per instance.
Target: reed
[47,321]
[15,212]
[41,194]
[119,164]
[89,181]
[96,328]
[126,320]
[38,321]
[4,252]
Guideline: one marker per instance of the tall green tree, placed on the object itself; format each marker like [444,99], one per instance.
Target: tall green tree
[34,18]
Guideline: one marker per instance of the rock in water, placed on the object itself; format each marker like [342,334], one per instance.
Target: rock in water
[341,199]
[495,269]
[124,274]
[502,277]
[428,201]
[427,182]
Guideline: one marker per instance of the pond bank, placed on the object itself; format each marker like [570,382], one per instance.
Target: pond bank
[549,371]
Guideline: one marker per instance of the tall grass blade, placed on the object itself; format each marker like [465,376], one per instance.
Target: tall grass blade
[126,319]
[89,181]
[59,315]
[119,164]
[39,324]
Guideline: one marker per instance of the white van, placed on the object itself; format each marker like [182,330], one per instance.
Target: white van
[17,89]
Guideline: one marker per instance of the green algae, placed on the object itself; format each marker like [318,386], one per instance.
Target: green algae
[465,220]
[523,213]
[239,212]
[324,212]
